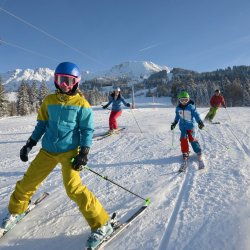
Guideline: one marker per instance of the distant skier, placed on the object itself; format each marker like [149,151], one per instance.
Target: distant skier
[65,121]
[186,114]
[116,99]
[216,102]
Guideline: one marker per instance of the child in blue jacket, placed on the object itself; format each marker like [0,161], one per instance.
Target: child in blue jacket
[187,115]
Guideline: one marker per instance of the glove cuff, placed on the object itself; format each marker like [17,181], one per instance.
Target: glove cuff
[31,143]
[84,150]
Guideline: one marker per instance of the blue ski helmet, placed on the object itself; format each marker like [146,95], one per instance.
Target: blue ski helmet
[70,69]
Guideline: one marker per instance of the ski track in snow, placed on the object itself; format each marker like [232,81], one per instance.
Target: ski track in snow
[193,210]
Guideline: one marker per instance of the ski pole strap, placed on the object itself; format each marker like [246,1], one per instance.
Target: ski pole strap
[147,201]
[136,121]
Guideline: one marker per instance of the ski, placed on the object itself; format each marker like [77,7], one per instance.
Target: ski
[215,122]
[107,134]
[32,205]
[119,227]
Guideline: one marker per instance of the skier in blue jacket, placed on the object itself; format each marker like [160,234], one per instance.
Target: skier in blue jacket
[187,115]
[117,100]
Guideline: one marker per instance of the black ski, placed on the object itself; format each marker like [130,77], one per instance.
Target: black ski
[31,207]
[119,227]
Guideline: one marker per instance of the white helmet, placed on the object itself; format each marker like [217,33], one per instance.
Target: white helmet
[117,89]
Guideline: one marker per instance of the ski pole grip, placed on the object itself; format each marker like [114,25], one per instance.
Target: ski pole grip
[147,201]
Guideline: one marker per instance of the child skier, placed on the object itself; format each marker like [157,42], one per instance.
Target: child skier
[116,99]
[65,121]
[186,115]
[216,101]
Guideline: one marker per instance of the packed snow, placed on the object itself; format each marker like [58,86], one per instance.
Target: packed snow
[196,210]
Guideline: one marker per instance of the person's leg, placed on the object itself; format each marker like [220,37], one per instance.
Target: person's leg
[209,114]
[194,143]
[38,170]
[113,118]
[88,204]
[184,142]
[213,113]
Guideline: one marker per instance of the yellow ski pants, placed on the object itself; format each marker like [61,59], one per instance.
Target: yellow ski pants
[41,166]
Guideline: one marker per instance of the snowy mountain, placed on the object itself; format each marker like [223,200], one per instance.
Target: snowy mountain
[133,70]
[207,210]
[12,79]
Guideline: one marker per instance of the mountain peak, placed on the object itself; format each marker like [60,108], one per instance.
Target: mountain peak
[134,70]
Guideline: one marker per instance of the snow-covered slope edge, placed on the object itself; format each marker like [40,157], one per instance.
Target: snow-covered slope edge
[208,210]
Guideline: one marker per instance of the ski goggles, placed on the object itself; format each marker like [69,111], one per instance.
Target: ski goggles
[66,80]
[184,100]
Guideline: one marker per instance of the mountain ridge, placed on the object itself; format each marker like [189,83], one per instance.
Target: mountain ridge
[135,70]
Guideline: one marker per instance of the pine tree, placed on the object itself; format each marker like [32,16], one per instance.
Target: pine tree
[246,93]
[43,92]
[23,104]
[3,101]
[34,97]
[13,109]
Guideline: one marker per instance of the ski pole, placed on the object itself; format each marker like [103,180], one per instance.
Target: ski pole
[172,137]
[230,129]
[217,139]
[228,115]
[136,121]
[147,200]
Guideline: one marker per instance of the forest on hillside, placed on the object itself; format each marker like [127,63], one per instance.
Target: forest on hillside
[234,84]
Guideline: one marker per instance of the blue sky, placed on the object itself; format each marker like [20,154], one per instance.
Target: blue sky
[201,35]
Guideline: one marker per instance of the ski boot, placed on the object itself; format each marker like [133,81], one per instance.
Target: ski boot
[11,220]
[201,161]
[184,163]
[99,235]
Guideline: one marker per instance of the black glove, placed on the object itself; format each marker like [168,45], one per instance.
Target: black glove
[81,159]
[173,125]
[128,104]
[26,149]
[105,106]
[201,125]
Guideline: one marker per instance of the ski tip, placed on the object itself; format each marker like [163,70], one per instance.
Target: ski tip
[147,201]
[2,232]
[113,216]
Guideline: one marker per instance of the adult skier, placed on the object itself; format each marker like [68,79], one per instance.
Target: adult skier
[187,115]
[216,102]
[116,99]
[65,124]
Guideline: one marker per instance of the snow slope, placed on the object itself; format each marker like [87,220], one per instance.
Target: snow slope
[197,210]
